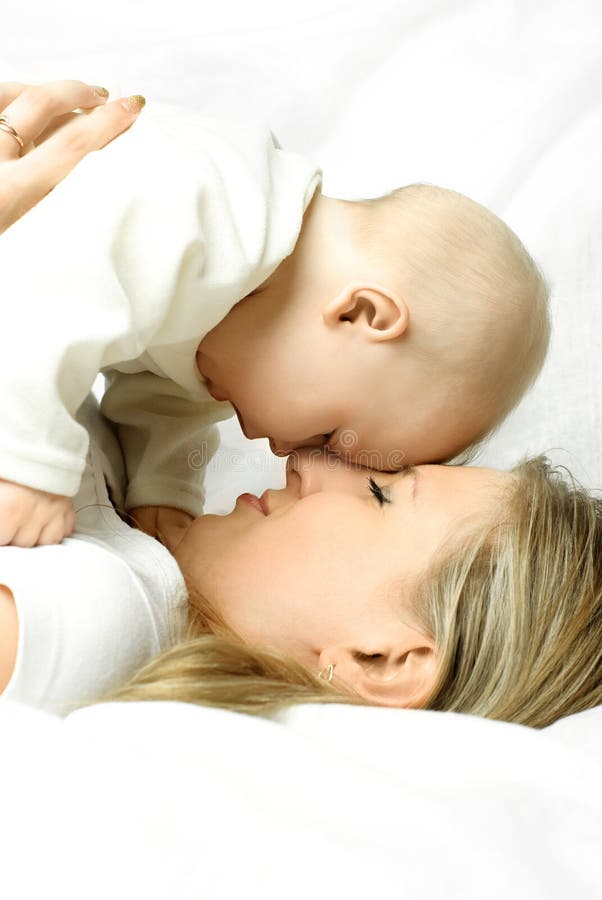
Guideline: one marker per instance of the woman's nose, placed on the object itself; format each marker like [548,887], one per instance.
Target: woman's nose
[318,470]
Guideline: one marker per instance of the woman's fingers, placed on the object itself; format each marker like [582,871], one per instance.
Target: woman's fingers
[48,163]
[54,126]
[33,108]
[25,181]
[9,90]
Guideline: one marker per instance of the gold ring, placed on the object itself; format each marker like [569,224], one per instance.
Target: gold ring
[6,126]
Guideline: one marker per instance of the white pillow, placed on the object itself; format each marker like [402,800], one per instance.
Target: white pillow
[582,730]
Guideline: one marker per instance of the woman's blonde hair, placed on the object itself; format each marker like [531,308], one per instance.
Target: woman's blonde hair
[515,613]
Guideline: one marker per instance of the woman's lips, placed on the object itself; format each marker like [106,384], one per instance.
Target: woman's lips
[252,500]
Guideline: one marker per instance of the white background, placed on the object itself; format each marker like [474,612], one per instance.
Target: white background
[500,100]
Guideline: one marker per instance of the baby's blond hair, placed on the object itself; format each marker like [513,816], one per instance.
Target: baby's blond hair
[478,301]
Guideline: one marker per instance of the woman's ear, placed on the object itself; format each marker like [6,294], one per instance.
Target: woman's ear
[403,676]
[380,314]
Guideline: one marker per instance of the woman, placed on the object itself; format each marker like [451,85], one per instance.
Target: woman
[439,587]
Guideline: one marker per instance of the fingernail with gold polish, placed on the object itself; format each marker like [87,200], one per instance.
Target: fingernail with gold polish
[100,91]
[134,103]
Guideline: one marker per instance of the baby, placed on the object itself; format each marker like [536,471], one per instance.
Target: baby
[199,267]
[399,330]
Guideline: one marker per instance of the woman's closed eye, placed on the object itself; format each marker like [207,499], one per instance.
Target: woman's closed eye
[378,492]
[381,493]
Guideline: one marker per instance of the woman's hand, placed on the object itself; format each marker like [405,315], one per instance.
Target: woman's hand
[54,137]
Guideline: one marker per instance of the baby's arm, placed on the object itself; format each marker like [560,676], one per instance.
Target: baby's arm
[85,288]
[51,147]
[167,438]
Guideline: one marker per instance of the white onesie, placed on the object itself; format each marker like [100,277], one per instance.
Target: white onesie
[98,606]
[123,268]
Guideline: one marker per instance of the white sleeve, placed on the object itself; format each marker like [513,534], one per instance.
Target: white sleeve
[166,436]
[88,278]
[143,248]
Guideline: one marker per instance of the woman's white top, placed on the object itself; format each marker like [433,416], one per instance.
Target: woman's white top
[98,606]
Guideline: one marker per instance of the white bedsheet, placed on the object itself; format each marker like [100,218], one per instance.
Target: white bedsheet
[504,102]
[170,800]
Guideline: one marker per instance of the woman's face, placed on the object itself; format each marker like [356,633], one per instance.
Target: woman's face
[326,565]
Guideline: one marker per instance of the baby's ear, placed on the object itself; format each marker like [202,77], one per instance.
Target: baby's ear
[382,315]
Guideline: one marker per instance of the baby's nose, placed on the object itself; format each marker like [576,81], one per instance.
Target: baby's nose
[282,448]
[277,448]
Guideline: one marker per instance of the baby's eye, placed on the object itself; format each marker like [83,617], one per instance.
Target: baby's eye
[378,492]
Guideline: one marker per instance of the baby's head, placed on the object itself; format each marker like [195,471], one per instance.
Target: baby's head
[401,330]
[477,326]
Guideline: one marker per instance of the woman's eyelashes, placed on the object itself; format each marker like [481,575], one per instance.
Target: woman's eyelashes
[378,492]
[382,494]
